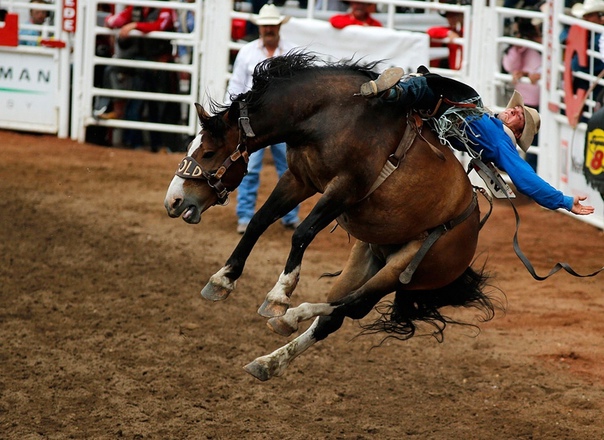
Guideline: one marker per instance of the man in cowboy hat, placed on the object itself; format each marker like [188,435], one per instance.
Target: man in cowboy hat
[590,10]
[270,44]
[359,14]
[468,126]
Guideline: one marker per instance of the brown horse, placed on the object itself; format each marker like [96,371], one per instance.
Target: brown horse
[386,179]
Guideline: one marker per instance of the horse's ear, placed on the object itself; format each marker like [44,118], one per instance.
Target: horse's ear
[201,112]
[423,70]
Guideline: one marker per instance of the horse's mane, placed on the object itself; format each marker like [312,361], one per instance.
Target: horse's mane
[275,71]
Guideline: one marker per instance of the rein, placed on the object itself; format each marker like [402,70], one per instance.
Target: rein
[190,169]
[557,267]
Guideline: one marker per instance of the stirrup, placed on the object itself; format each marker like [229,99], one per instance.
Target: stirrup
[388,79]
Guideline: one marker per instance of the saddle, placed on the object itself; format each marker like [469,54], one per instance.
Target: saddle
[449,93]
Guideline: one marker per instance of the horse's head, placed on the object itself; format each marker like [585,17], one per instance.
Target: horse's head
[215,164]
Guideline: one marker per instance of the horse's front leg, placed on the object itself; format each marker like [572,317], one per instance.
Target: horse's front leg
[359,268]
[327,209]
[288,194]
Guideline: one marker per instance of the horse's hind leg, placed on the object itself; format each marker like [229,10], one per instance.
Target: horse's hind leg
[287,195]
[275,363]
[365,277]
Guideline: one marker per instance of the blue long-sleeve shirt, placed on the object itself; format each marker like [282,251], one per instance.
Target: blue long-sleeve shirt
[487,138]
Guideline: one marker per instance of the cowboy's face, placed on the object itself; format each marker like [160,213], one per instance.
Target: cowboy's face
[269,34]
[513,118]
[594,17]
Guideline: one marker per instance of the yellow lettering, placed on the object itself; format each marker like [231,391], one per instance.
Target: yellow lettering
[186,171]
[182,165]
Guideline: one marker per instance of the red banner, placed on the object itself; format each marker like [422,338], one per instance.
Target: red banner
[70,15]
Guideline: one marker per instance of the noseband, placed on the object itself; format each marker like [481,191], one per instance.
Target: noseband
[189,168]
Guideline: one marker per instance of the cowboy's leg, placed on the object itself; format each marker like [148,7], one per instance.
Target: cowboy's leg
[412,91]
[247,192]
[279,152]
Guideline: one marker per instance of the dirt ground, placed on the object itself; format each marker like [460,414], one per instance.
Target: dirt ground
[103,333]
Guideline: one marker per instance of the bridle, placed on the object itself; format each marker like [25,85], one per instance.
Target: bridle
[190,169]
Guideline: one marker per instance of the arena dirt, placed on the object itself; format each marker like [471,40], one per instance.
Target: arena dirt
[103,333]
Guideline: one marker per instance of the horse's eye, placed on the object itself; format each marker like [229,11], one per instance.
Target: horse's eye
[208,154]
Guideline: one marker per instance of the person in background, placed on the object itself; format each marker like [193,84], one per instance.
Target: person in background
[469,126]
[36,17]
[359,14]
[592,11]
[331,5]
[251,28]
[449,33]
[145,20]
[269,44]
[185,24]
[524,62]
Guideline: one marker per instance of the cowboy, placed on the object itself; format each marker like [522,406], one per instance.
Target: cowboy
[268,45]
[469,126]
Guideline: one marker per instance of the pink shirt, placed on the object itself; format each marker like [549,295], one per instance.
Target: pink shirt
[526,60]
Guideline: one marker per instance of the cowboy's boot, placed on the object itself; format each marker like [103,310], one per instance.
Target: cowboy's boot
[388,79]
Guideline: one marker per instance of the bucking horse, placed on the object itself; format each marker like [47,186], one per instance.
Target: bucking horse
[383,176]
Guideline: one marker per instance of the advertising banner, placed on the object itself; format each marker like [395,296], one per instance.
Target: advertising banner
[28,89]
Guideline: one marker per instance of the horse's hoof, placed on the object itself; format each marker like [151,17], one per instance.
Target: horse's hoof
[258,370]
[279,326]
[272,309]
[215,292]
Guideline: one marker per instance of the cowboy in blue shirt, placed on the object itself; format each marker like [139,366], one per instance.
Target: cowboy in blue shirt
[468,126]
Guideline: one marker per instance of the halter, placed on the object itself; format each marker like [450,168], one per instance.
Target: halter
[190,169]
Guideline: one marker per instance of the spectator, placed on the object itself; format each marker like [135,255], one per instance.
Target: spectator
[592,11]
[468,126]
[185,24]
[145,20]
[519,4]
[37,17]
[331,5]
[521,61]
[450,33]
[252,29]
[269,44]
[359,14]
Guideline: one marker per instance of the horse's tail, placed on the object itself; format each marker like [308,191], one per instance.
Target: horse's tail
[400,318]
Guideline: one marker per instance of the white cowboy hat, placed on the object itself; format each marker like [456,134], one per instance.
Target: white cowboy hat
[532,121]
[269,16]
[579,10]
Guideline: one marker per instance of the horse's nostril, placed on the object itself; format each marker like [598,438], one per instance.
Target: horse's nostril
[176,203]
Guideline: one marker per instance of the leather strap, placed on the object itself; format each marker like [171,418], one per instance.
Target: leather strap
[527,262]
[395,158]
[434,235]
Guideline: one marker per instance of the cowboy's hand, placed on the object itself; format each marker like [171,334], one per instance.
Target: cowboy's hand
[580,209]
